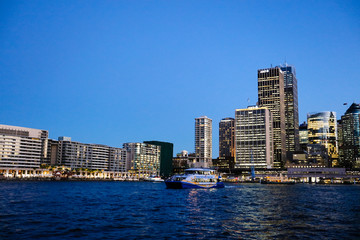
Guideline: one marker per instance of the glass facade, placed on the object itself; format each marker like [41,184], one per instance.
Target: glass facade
[166,156]
[322,129]
[350,137]
[142,159]
[291,108]
[271,95]
[253,138]
[226,137]
[303,136]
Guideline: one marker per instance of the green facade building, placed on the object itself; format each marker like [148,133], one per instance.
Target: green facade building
[166,155]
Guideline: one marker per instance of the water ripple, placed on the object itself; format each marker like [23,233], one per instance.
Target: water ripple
[137,210]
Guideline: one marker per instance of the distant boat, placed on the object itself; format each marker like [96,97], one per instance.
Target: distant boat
[195,178]
[153,179]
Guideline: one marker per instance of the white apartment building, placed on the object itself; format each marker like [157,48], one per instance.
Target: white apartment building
[22,147]
[203,142]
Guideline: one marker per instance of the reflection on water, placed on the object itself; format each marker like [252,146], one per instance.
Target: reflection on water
[92,210]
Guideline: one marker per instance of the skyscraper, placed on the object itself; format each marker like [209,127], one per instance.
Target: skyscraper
[322,129]
[253,137]
[203,141]
[271,95]
[291,108]
[350,137]
[226,137]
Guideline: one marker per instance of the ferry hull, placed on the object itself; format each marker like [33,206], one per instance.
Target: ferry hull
[187,185]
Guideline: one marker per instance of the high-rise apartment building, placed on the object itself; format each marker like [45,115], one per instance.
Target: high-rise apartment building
[291,108]
[253,138]
[22,147]
[271,95]
[227,138]
[322,129]
[203,141]
[142,159]
[350,137]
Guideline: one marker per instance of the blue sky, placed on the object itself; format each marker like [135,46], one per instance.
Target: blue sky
[111,72]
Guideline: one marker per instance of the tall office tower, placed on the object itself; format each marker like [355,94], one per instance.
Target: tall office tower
[271,95]
[322,129]
[166,156]
[203,141]
[340,136]
[303,136]
[22,147]
[142,159]
[226,138]
[291,108]
[350,137]
[253,138]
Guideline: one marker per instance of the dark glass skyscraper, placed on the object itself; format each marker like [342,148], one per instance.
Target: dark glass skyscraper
[303,136]
[291,108]
[350,137]
[271,95]
[226,137]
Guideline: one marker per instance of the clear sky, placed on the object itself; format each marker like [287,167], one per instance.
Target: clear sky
[110,72]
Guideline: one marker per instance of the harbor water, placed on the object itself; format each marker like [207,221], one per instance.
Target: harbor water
[145,210]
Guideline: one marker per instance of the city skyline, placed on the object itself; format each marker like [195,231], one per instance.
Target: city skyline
[124,70]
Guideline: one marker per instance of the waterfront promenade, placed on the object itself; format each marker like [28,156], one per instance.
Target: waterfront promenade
[296,175]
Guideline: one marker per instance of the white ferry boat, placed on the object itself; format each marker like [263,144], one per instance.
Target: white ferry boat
[195,178]
[153,179]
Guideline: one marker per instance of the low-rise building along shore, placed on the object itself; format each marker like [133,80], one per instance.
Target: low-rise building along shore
[28,153]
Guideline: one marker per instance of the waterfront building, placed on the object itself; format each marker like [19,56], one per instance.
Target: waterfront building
[224,164]
[227,137]
[350,137]
[317,155]
[117,160]
[291,108]
[142,159]
[203,141]
[271,95]
[181,162]
[22,147]
[322,129]
[166,156]
[82,155]
[253,138]
[52,153]
[303,136]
